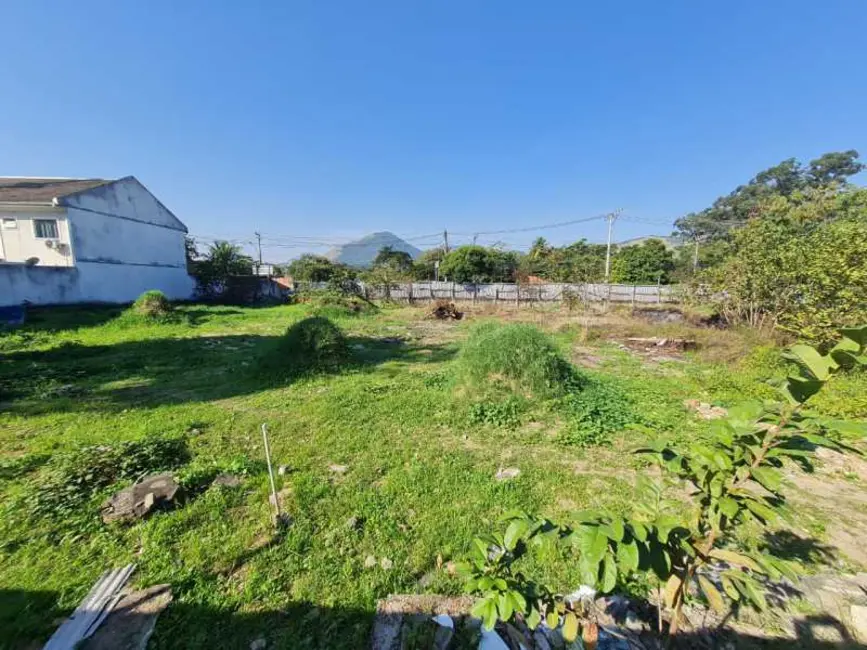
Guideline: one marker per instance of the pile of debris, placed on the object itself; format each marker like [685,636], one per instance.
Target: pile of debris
[654,344]
[445,310]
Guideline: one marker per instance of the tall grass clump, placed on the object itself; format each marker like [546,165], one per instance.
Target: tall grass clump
[516,358]
[152,304]
[312,344]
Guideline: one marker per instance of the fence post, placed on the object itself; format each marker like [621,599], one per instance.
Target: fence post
[453,291]
[409,295]
[517,294]
[658,290]
[633,295]
[496,294]
[475,292]
[430,288]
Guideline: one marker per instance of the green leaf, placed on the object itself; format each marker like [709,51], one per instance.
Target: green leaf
[505,607]
[514,533]
[519,603]
[627,556]
[746,412]
[714,598]
[749,588]
[856,334]
[570,627]
[768,477]
[664,526]
[592,542]
[761,511]
[729,587]
[589,570]
[809,359]
[481,549]
[617,529]
[798,389]
[489,620]
[609,574]
[534,618]
[729,507]
[639,531]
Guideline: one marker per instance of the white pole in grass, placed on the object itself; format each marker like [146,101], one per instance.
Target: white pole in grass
[277,516]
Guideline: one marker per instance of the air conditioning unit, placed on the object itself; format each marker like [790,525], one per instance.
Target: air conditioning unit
[52,243]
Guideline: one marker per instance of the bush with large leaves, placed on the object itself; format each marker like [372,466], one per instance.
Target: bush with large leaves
[735,479]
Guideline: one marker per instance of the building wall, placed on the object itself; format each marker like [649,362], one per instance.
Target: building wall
[123,242]
[19,244]
[46,285]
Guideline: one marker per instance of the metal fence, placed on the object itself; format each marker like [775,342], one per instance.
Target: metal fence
[516,293]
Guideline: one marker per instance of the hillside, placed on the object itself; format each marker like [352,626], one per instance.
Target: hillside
[362,251]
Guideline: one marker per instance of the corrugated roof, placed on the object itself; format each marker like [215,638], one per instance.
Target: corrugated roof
[43,190]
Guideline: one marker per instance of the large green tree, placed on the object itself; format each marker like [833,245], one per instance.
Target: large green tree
[400,261]
[784,179]
[801,266]
[646,263]
[311,268]
[479,264]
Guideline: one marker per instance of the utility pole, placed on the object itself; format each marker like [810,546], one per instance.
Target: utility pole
[475,237]
[611,217]
[259,246]
[695,257]
[446,239]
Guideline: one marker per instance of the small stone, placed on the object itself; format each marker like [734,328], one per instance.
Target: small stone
[258,644]
[281,470]
[227,480]
[369,562]
[507,473]
[353,523]
[338,469]
[195,432]
[386,564]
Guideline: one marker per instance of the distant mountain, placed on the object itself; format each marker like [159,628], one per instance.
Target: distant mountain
[670,242]
[363,251]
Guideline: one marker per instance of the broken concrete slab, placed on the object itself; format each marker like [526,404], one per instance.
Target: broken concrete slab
[139,499]
[131,622]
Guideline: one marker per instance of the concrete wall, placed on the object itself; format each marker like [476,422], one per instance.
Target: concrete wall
[45,285]
[20,243]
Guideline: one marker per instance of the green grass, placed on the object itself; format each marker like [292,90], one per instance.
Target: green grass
[420,464]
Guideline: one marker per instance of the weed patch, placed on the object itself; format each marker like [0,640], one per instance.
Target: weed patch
[518,359]
[600,408]
[505,414]
[72,478]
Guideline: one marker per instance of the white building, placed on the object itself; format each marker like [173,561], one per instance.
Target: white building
[87,240]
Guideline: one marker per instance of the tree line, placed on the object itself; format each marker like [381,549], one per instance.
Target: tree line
[787,249]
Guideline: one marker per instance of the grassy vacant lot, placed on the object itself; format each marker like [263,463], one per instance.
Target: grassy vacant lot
[418,455]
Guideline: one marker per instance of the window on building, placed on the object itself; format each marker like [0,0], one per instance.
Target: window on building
[45,228]
[10,223]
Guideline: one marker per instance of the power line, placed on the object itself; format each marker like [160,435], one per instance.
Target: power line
[561,224]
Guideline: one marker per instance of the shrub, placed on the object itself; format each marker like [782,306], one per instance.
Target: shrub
[515,358]
[152,304]
[311,344]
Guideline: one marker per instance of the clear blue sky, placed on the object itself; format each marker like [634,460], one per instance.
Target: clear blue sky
[329,119]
